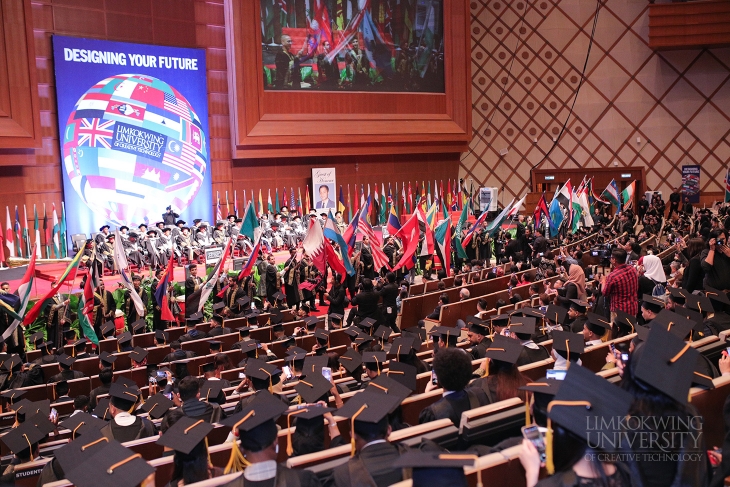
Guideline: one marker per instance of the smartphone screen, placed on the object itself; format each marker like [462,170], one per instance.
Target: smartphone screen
[287,371]
[54,414]
[434,380]
[241,375]
[624,357]
[327,373]
[556,374]
[533,434]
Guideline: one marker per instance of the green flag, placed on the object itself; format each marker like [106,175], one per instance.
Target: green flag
[250,222]
[84,323]
[460,225]
[277,201]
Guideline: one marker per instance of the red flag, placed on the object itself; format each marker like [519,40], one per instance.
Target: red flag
[334,261]
[2,246]
[408,234]
[161,294]
[540,210]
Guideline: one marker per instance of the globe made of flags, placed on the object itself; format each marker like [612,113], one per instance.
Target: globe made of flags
[133,145]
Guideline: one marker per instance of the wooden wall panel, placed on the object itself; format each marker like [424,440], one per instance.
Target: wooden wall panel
[19,120]
[34,176]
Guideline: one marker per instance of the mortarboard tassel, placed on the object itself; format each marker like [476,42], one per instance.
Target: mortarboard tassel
[237,462]
[352,429]
[680,353]
[289,446]
[110,470]
[567,346]
[384,389]
[377,364]
[73,433]
[549,465]
[271,382]
[104,438]
[30,447]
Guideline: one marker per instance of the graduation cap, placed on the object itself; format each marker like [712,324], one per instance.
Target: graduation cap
[598,324]
[543,386]
[101,410]
[556,314]
[642,332]
[448,334]
[403,373]
[504,349]
[374,360]
[218,306]
[112,466]
[692,315]
[666,363]
[45,346]
[70,334]
[22,437]
[108,328]
[125,337]
[138,326]
[336,317]
[80,343]
[310,321]
[322,335]
[82,424]
[585,399]
[678,294]
[499,320]
[367,408]
[211,389]
[717,296]
[279,296]
[123,397]
[675,323]
[215,345]
[267,374]
[185,434]
[249,346]
[623,319]
[436,468]
[244,301]
[276,317]
[13,395]
[384,384]
[367,324]
[162,336]
[255,423]
[40,421]
[244,331]
[29,408]
[362,339]
[156,406]
[579,305]
[383,333]
[312,387]
[123,381]
[313,363]
[522,325]
[107,358]
[699,303]
[195,317]
[477,325]
[36,338]
[416,332]
[352,332]
[535,313]
[652,303]
[401,346]
[350,360]
[138,354]
[567,343]
[12,362]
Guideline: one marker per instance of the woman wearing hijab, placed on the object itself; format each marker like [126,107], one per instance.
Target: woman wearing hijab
[575,286]
[652,276]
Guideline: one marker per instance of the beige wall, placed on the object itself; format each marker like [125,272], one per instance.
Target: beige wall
[677,102]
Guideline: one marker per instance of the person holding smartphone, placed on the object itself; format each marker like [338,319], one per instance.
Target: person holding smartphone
[715,260]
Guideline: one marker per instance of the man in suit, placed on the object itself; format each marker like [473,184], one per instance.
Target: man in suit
[217,328]
[367,302]
[324,198]
[193,282]
[390,292]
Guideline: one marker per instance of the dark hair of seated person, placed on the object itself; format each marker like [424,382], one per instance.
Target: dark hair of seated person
[106,375]
[188,388]
[508,380]
[453,368]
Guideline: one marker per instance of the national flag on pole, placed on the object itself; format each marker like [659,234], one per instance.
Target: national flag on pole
[24,291]
[276,206]
[85,309]
[196,301]
[56,231]
[516,207]
[393,223]
[457,232]
[442,237]
[228,207]
[250,222]
[292,202]
[2,247]
[251,263]
[350,234]
[470,234]
[307,203]
[409,234]
[380,260]
[409,206]
[428,244]
[47,232]
[494,226]
[727,186]
[120,260]
[261,203]
[69,273]
[341,202]
[161,295]
[235,201]
[611,195]
[37,232]
[313,244]
[269,203]
[9,233]
[627,195]
[18,234]
[349,205]
[331,232]
[26,232]
[218,211]
[63,232]
[541,210]
[382,216]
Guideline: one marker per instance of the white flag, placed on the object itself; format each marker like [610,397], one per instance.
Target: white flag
[120,260]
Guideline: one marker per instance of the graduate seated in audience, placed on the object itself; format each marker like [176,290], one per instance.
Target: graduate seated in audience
[23,443]
[192,406]
[105,377]
[452,367]
[310,421]
[178,353]
[124,426]
[217,328]
[504,379]
[190,462]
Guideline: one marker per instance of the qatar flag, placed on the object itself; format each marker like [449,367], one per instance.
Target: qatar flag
[314,245]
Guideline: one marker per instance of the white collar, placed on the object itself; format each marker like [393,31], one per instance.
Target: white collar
[124,419]
[446,393]
[374,442]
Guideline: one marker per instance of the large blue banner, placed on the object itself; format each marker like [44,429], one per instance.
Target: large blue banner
[133,129]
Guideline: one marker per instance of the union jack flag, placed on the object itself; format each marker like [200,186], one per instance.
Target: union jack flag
[96,132]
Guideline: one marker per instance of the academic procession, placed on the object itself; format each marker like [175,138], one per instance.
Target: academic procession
[335,243]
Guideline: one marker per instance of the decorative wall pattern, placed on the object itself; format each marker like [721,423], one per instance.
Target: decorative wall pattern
[676,102]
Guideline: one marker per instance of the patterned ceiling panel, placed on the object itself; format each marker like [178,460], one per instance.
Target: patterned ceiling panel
[527,59]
